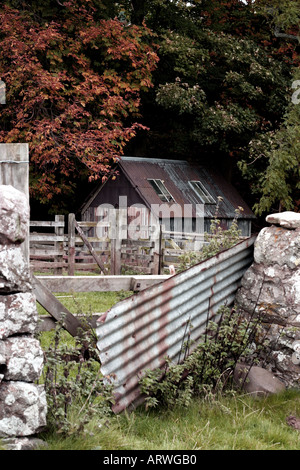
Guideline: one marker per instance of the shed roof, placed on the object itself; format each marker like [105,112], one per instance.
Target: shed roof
[177,175]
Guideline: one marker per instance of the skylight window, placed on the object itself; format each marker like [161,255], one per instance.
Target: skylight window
[161,190]
[202,193]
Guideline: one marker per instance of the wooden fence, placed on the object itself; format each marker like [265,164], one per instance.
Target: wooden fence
[65,245]
[47,245]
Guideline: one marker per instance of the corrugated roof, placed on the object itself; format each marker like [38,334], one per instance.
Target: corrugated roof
[176,175]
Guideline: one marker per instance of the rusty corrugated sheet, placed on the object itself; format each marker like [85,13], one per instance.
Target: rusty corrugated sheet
[140,331]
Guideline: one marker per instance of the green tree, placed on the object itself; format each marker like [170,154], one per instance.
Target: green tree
[273,164]
[221,81]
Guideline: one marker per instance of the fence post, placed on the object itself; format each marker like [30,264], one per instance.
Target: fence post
[112,236]
[155,237]
[118,232]
[59,245]
[71,244]
[160,256]
[115,246]
[162,249]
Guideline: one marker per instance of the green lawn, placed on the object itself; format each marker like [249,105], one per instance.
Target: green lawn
[81,303]
[88,302]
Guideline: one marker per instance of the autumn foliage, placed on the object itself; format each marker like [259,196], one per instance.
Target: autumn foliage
[73,91]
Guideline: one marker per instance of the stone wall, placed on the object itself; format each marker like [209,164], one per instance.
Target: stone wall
[22,403]
[271,291]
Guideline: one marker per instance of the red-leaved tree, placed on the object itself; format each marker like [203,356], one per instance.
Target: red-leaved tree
[72,92]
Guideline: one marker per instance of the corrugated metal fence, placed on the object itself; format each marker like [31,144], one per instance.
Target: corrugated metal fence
[140,331]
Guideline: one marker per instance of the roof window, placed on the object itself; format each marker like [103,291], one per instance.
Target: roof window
[161,190]
[202,193]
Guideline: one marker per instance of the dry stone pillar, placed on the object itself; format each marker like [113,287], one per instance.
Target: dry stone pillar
[271,290]
[22,403]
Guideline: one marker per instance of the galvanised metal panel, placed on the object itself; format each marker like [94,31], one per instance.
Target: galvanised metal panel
[140,331]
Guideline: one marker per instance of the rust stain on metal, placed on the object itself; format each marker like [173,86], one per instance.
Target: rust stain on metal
[102,318]
[140,331]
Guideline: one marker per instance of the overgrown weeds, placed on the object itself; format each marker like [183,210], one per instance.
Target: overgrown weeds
[227,340]
[217,240]
[75,388]
[209,368]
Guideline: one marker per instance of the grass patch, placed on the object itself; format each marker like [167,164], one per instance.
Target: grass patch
[230,423]
[87,302]
[78,303]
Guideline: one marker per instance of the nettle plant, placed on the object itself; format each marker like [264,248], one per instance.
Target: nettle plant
[227,340]
[208,370]
[73,382]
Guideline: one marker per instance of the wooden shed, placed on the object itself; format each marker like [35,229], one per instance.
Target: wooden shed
[158,188]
